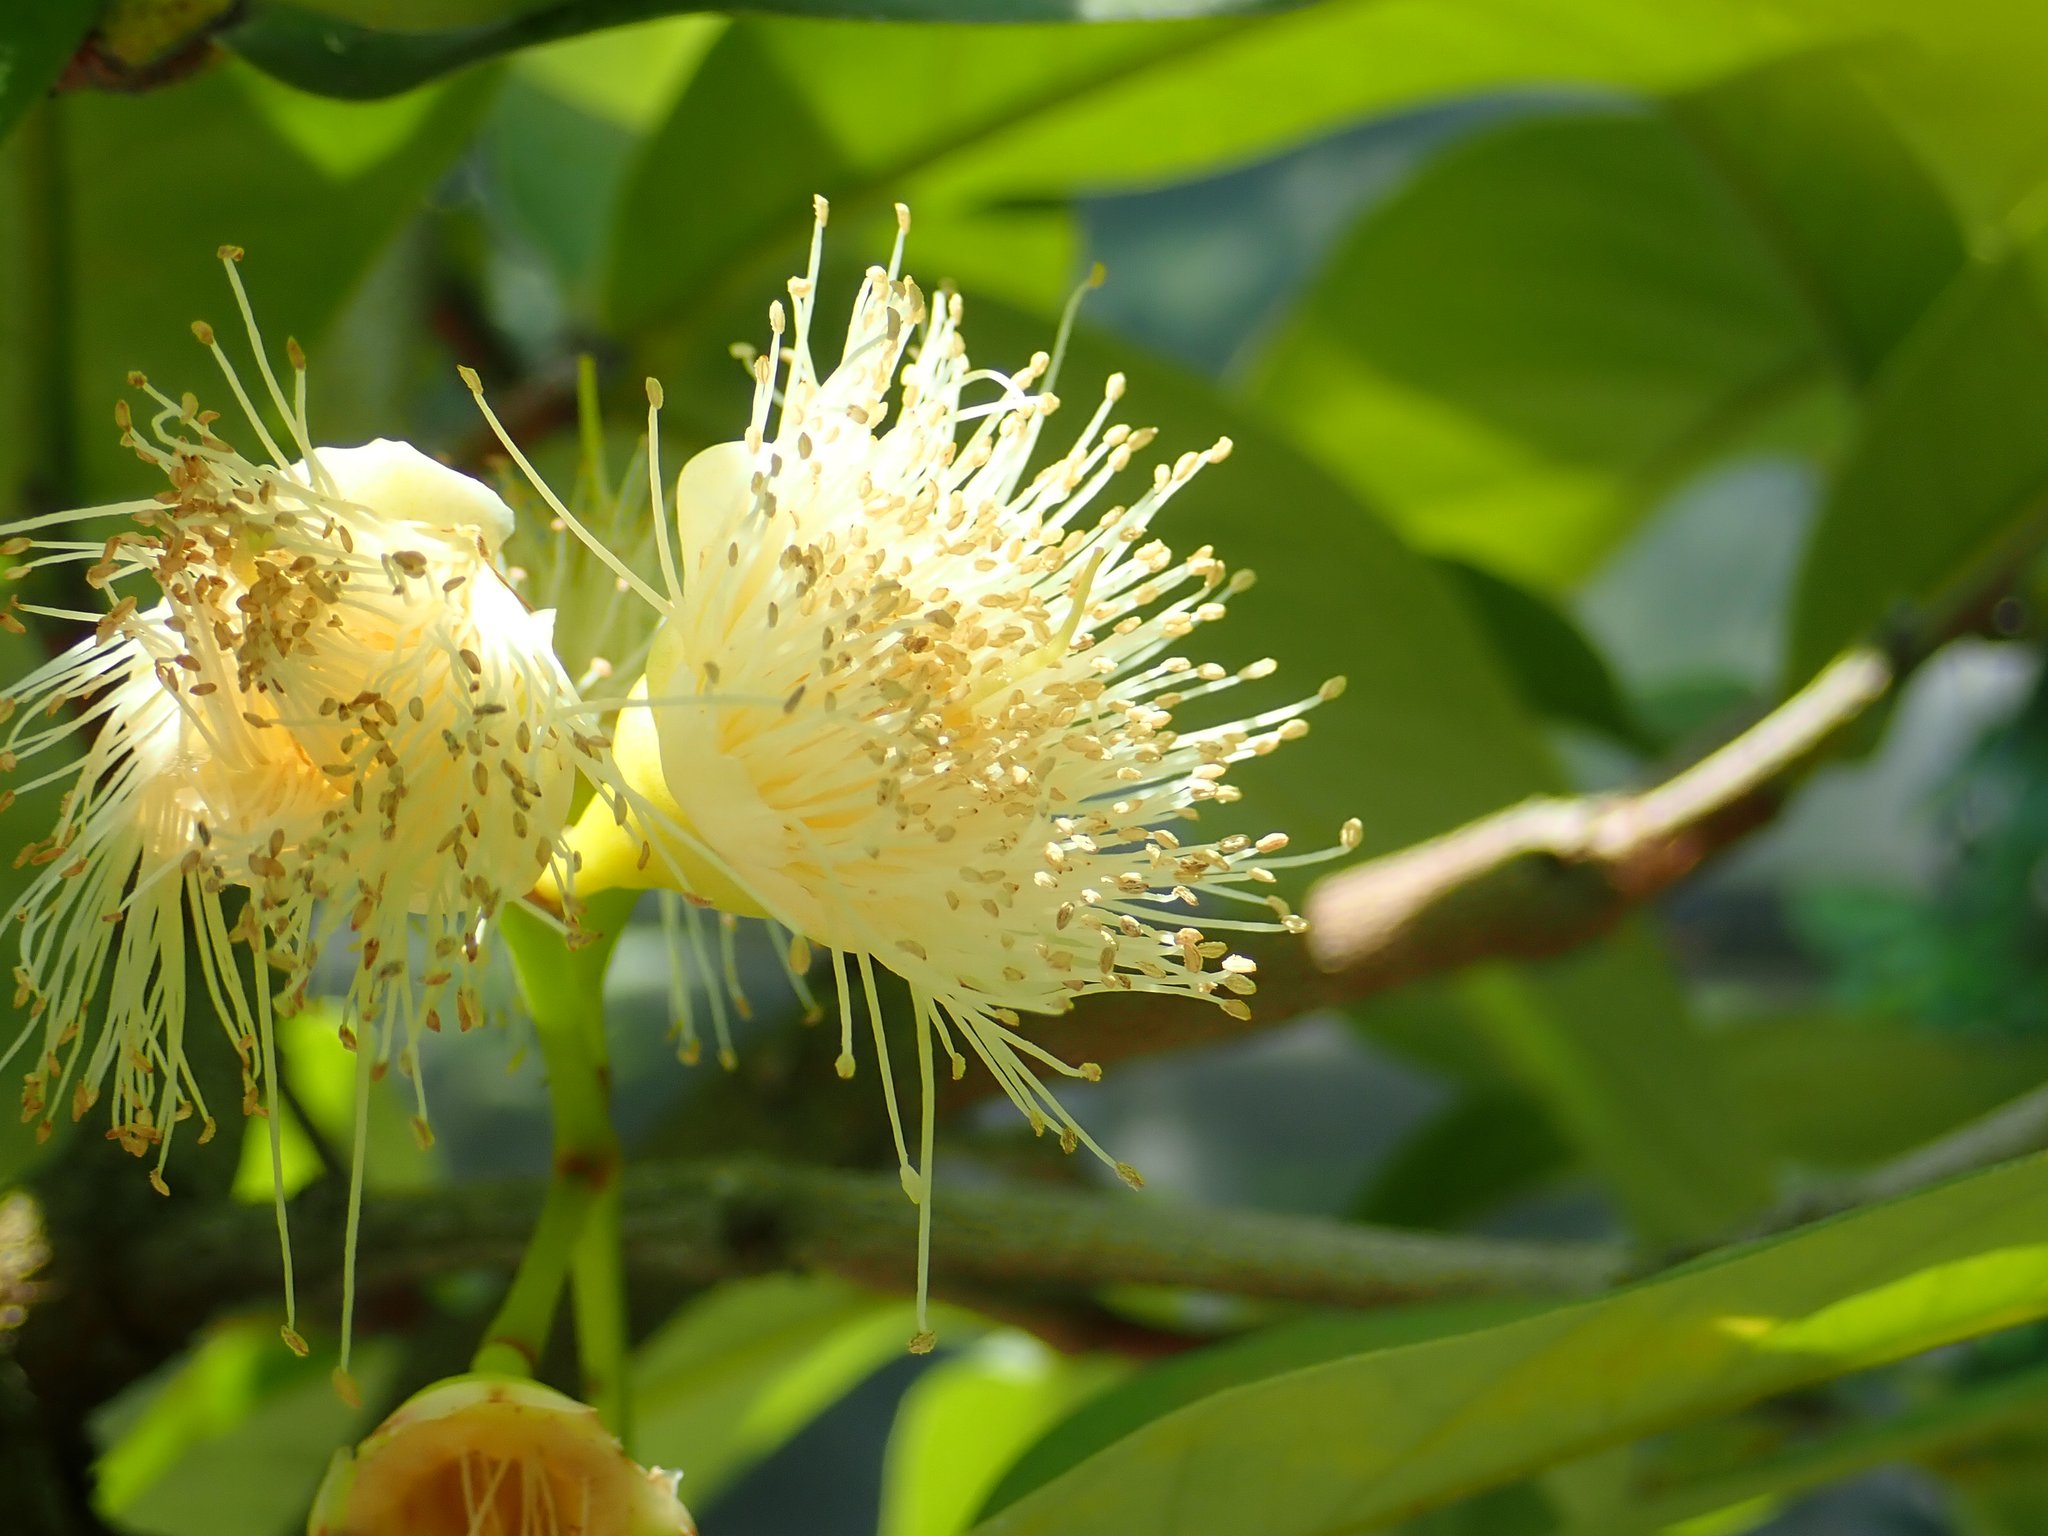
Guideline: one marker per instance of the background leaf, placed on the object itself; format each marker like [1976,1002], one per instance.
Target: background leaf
[368,48]
[1556,670]
[1637,290]
[312,190]
[1949,462]
[963,1421]
[36,42]
[1033,113]
[738,1371]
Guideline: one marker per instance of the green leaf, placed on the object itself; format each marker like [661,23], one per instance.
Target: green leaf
[1560,319]
[1580,315]
[1036,113]
[321,1074]
[1949,464]
[564,133]
[1962,90]
[312,190]
[1189,1378]
[1810,160]
[366,48]
[1365,1441]
[966,1418]
[1609,1070]
[1558,673]
[36,42]
[737,1372]
[1486,1146]
[232,1437]
[1838,1092]
[1602,1037]
[1589,1059]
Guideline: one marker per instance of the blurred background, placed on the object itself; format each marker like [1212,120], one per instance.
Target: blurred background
[1598,372]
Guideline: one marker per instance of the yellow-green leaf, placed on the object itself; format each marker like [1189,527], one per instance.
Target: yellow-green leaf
[1360,1443]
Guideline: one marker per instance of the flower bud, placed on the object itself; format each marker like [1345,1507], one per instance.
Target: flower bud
[498,1455]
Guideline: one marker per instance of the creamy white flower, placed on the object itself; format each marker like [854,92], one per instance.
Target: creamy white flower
[921,704]
[314,714]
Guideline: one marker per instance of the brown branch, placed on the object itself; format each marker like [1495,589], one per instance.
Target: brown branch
[1548,874]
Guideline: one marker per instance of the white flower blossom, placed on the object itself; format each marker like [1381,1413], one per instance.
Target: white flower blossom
[922,704]
[313,713]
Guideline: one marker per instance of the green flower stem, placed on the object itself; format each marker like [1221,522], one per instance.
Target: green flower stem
[599,1271]
[517,1335]
[578,1234]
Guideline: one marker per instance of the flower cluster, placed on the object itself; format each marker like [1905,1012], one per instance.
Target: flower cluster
[914,689]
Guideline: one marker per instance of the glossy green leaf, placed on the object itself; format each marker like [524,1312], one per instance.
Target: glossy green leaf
[36,42]
[1599,1065]
[1360,1443]
[626,75]
[1962,87]
[1810,160]
[1949,464]
[367,48]
[311,189]
[1558,673]
[1041,113]
[1557,321]
[1516,354]
[1606,1070]
[564,133]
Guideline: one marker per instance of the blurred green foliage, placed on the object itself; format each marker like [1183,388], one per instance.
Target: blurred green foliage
[1640,249]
